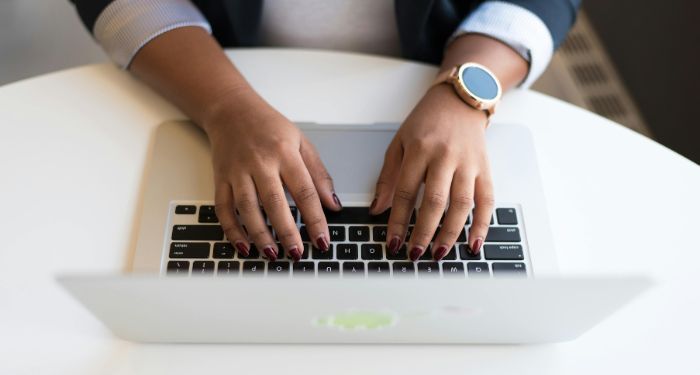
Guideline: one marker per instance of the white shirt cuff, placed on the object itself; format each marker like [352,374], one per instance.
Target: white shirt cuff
[125,26]
[517,27]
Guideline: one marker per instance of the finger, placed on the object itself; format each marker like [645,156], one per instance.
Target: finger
[225,211]
[404,200]
[322,180]
[484,201]
[432,207]
[247,204]
[302,189]
[461,203]
[384,191]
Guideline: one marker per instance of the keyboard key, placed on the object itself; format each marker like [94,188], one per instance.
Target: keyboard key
[353,269]
[509,269]
[506,216]
[278,268]
[304,234]
[462,236]
[400,255]
[451,255]
[409,231]
[359,234]
[178,267]
[223,250]
[203,268]
[371,251]
[228,268]
[304,269]
[316,253]
[355,215]
[253,268]
[503,252]
[378,269]
[478,269]
[185,210]
[346,251]
[295,212]
[379,233]
[427,255]
[189,250]
[503,234]
[404,269]
[337,233]
[304,254]
[465,254]
[428,269]
[197,233]
[328,268]
[453,269]
[207,214]
[253,253]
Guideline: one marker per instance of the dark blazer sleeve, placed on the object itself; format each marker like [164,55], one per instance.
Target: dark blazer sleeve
[557,15]
[89,10]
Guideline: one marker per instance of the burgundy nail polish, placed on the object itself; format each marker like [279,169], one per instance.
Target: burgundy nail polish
[337,201]
[322,243]
[295,253]
[440,252]
[394,245]
[242,248]
[416,252]
[477,246]
[373,205]
[270,253]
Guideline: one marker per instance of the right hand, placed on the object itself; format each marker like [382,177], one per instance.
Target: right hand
[256,153]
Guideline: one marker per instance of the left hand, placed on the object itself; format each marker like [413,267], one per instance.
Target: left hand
[441,143]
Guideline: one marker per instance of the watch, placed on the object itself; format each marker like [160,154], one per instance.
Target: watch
[475,85]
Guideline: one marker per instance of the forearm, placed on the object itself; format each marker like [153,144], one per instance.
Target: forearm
[503,61]
[189,68]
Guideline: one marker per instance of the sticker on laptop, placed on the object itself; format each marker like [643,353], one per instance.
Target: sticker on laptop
[358,320]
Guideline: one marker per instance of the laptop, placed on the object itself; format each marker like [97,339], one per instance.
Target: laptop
[186,283]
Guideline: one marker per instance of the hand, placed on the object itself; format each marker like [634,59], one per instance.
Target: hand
[442,144]
[256,153]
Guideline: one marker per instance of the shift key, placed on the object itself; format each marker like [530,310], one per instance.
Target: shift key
[197,233]
[503,234]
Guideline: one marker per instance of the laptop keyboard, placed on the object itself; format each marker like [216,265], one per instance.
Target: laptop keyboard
[197,246]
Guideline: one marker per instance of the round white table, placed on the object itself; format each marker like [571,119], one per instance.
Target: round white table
[72,150]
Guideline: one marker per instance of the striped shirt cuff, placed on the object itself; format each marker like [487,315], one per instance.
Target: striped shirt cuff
[517,27]
[125,26]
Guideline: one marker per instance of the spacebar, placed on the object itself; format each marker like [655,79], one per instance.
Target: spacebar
[197,233]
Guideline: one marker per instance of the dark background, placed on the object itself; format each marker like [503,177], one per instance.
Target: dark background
[655,46]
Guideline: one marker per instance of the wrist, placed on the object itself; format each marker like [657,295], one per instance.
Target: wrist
[231,108]
[445,97]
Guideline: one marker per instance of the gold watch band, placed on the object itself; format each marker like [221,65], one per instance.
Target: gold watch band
[451,76]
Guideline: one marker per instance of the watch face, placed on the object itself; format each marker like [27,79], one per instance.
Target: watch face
[480,83]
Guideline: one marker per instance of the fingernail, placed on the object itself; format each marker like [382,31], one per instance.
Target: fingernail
[337,201]
[394,245]
[416,252]
[295,253]
[322,243]
[440,252]
[477,246]
[270,253]
[242,248]
[373,205]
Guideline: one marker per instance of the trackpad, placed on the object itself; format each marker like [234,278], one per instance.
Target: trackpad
[353,158]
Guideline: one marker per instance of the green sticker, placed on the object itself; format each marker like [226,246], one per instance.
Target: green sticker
[358,320]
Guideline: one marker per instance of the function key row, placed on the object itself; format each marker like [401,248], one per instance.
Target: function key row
[372,269]
[342,251]
[348,215]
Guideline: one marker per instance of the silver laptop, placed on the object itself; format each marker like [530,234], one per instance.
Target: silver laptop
[188,284]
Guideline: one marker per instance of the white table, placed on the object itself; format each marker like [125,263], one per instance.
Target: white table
[72,149]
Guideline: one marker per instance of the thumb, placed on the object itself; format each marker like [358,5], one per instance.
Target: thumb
[386,183]
[320,176]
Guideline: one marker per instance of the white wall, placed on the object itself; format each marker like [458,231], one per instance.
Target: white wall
[40,36]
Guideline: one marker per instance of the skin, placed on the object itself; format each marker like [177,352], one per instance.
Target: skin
[258,153]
